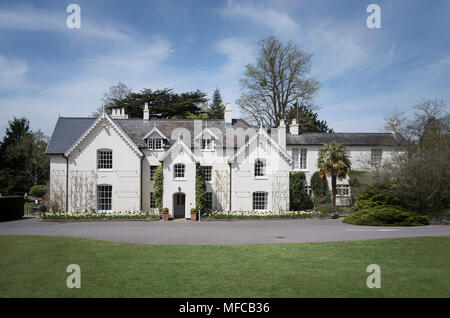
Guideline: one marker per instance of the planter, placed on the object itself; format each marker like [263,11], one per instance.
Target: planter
[166,216]
[193,216]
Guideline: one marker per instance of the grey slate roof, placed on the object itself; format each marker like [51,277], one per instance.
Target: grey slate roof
[351,139]
[67,131]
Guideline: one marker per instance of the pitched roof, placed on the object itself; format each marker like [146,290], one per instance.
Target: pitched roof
[261,132]
[351,139]
[67,131]
[118,129]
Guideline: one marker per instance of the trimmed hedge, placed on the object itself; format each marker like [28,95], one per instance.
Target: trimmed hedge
[11,208]
[385,216]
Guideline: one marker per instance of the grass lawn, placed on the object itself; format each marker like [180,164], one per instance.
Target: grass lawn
[33,266]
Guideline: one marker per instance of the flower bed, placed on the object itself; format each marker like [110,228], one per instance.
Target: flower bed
[100,216]
[240,215]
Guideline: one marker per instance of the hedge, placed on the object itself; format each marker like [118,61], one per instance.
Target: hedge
[11,208]
[385,216]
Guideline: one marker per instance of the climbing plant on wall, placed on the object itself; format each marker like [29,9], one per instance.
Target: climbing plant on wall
[158,188]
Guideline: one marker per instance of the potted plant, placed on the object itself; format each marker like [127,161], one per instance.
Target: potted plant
[165,212]
[193,214]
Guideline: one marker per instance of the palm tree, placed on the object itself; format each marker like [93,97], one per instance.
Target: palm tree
[334,161]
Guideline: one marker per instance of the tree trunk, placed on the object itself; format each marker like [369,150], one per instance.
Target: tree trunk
[333,189]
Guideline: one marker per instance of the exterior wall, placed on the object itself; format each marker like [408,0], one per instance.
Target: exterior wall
[359,156]
[125,176]
[275,184]
[58,166]
[151,158]
[219,185]
[185,185]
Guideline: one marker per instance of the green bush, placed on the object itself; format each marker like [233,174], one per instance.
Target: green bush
[11,208]
[386,215]
[37,191]
[298,197]
[377,195]
[319,186]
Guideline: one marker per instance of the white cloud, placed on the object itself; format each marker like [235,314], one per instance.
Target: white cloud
[279,22]
[11,69]
[26,18]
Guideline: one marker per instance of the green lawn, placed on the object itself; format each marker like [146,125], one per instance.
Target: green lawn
[34,266]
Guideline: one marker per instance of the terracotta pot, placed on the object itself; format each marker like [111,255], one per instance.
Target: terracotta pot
[166,216]
[193,216]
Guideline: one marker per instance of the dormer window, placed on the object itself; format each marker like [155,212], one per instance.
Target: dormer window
[206,140]
[155,143]
[207,144]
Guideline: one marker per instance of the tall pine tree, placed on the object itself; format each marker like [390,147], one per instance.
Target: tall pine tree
[216,109]
[307,120]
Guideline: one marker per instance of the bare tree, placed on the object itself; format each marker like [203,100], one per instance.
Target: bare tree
[279,79]
[116,92]
[422,173]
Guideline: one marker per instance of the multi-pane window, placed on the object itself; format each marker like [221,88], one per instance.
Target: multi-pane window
[343,190]
[376,156]
[152,172]
[207,172]
[206,144]
[152,200]
[155,143]
[260,168]
[104,159]
[208,201]
[259,200]
[299,156]
[178,171]
[104,197]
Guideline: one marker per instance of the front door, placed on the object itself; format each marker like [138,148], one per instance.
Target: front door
[178,204]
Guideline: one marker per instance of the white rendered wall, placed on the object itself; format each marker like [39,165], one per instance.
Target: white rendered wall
[125,174]
[276,182]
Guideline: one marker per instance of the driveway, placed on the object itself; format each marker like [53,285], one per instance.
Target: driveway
[217,232]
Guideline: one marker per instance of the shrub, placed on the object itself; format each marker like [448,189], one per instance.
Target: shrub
[165,210]
[298,197]
[11,208]
[377,195]
[319,186]
[37,191]
[386,215]
[159,187]
[200,190]
[193,210]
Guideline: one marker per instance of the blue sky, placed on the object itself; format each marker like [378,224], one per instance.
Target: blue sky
[48,70]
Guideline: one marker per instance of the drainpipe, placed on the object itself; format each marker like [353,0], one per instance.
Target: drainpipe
[140,176]
[67,183]
[230,184]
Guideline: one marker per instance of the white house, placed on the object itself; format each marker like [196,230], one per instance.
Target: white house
[107,163]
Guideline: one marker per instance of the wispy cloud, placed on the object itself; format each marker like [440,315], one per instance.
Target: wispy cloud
[279,22]
[27,18]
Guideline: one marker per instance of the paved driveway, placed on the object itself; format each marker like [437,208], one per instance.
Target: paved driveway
[218,232]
